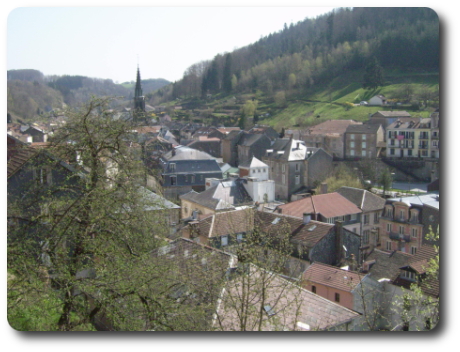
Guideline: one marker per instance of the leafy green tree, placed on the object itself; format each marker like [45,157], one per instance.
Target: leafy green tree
[373,77]
[91,239]
[340,177]
[280,99]
[385,180]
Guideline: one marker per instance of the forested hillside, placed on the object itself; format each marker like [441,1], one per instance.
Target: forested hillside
[30,93]
[302,56]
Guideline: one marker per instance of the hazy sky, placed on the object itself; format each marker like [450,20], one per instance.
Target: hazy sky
[108,42]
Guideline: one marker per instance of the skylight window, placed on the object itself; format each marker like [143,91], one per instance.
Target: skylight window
[311,228]
[269,310]
[274,222]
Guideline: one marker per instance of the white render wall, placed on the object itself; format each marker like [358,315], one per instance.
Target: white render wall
[257,189]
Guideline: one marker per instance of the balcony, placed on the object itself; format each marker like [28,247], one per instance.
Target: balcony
[399,237]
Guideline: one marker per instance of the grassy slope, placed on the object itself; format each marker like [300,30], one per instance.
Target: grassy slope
[327,101]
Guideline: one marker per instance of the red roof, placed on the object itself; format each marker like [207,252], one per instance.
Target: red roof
[328,205]
[331,276]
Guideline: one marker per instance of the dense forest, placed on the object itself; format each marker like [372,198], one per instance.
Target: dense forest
[314,51]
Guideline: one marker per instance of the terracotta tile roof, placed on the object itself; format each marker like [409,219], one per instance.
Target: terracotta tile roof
[147,129]
[393,113]
[328,205]
[331,126]
[420,262]
[19,155]
[289,307]
[331,276]
[308,234]
[365,128]
[226,223]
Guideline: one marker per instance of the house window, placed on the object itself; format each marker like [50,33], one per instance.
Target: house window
[283,178]
[42,176]
[363,145]
[224,240]
[353,216]
[401,230]
[313,288]
[408,275]
[283,167]
[389,213]
[376,218]
[392,151]
[388,227]
[173,180]
[409,152]
[352,152]
[352,136]
[352,144]
[364,137]
[239,237]
[366,236]
[172,167]
[401,215]
[366,219]
[363,153]
[337,297]
[414,233]
[297,179]
[388,245]
[413,250]
[193,178]
[297,167]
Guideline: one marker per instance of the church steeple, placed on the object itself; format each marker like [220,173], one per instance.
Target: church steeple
[138,90]
[139,99]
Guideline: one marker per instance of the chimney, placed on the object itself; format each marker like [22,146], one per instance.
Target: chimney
[298,145]
[324,188]
[353,264]
[338,241]
[306,218]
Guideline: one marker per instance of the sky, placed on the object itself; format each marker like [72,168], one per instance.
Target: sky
[109,42]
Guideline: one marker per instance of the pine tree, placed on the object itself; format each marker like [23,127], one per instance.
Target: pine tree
[227,76]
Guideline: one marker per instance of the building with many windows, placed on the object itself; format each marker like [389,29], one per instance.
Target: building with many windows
[295,167]
[409,137]
[364,141]
[401,223]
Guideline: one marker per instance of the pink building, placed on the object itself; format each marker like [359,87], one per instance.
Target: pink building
[331,282]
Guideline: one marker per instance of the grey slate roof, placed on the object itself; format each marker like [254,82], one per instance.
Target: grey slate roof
[186,153]
[431,199]
[290,150]
[249,139]
[366,128]
[225,195]
[365,200]
[194,166]
[387,264]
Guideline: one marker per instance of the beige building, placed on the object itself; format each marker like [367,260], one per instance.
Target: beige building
[328,135]
[364,141]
